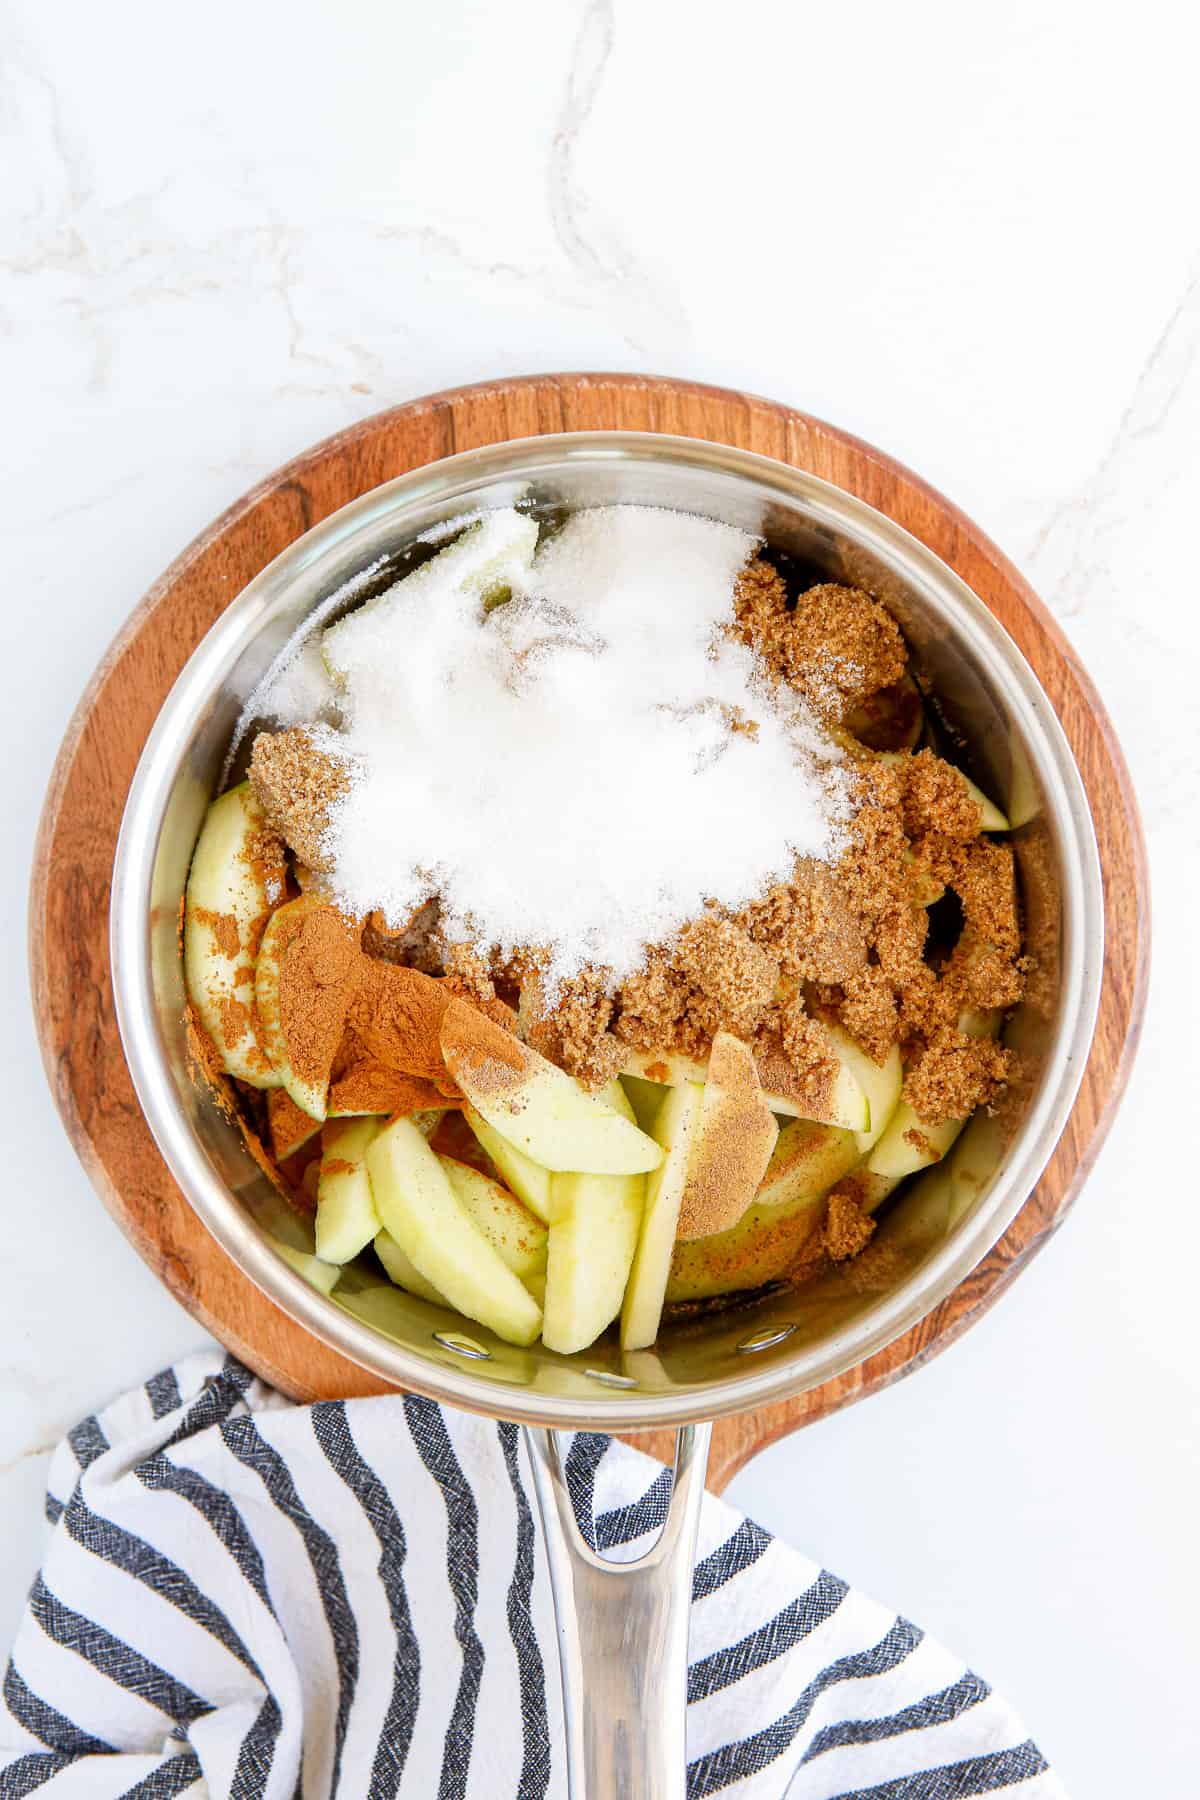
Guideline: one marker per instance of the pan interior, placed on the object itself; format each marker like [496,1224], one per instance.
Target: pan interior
[929,1236]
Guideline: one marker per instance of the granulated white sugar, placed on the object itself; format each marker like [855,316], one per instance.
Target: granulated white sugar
[560,766]
[296,688]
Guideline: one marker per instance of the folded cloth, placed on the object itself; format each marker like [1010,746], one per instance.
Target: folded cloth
[247,1598]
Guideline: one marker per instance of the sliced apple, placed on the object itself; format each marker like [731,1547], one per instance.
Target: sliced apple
[808,1160]
[675,1130]
[527,1179]
[836,1100]
[908,1143]
[645,1097]
[403,1271]
[592,1241]
[892,719]
[320,1275]
[537,1286]
[308,1088]
[237,876]
[290,1128]
[734,1139]
[510,1228]
[841,1101]
[762,1247]
[614,1095]
[880,1082]
[346,1217]
[537,1107]
[420,1210]
[990,816]
[483,561]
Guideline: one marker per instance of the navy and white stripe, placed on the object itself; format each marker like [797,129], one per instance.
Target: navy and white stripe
[250,1599]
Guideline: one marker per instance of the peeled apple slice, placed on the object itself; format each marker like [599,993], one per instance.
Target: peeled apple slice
[536,1106]
[734,1139]
[235,879]
[908,1143]
[843,1104]
[674,1130]
[290,1128]
[880,1082]
[591,1248]
[403,1271]
[420,1210]
[310,1093]
[527,1179]
[346,1217]
[510,1228]
[320,1275]
[808,1160]
[484,561]
[990,816]
[614,1095]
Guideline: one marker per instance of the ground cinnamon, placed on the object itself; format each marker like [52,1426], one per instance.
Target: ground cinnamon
[395,1019]
[369,1029]
[495,1059]
[319,959]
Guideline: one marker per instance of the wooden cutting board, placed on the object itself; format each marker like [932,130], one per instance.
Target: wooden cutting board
[72,992]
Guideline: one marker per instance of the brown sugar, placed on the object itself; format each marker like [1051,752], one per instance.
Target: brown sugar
[985,881]
[847,1229]
[574,1031]
[808,1049]
[954,1074]
[808,925]
[297,785]
[731,980]
[836,647]
[869,1011]
[468,973]
[651,1003]
[936,798]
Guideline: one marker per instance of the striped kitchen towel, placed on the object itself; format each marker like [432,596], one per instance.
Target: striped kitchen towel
[243,1597]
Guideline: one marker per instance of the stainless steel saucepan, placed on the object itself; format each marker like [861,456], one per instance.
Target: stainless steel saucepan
[623,1628]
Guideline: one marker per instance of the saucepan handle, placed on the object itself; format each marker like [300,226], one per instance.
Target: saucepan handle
[623,1634]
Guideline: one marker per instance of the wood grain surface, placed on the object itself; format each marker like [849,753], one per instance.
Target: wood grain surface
[72,992]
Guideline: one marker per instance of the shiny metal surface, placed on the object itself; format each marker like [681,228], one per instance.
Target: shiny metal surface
[622,1634]
[932,1236]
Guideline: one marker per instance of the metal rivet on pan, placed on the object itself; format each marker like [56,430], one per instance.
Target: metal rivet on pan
[763,1340]
[611,1380]
[462,1345]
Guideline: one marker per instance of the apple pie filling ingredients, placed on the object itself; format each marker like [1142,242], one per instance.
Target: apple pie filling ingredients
[568,768]
[613,904]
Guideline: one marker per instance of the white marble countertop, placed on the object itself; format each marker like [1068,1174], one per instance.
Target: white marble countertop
[966,234]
